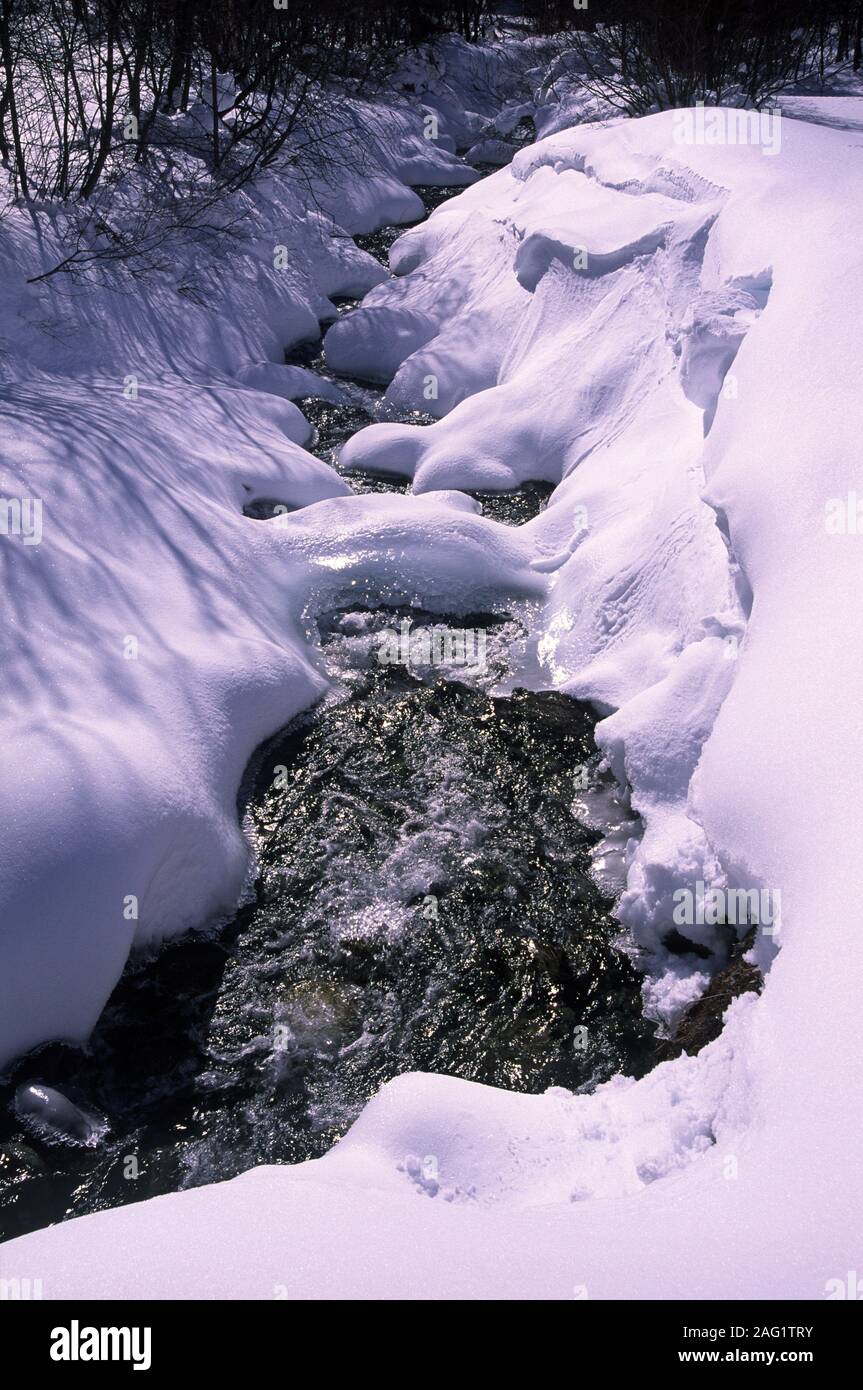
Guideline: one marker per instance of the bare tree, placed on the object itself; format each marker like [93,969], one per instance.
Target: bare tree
[675,52]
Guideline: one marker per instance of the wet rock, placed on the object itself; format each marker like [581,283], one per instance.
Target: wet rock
[51,1116]
[702,1022]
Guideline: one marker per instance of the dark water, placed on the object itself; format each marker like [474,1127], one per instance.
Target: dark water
[515,508]
[378,243]
[422,901]
[334,423]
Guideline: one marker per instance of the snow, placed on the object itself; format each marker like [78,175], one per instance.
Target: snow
[478,91]
[692,389]
[490,152]
[152,638]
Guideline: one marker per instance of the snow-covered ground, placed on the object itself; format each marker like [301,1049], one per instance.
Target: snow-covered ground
[668,331]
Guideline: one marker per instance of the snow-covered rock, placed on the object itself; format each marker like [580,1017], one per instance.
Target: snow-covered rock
[490,151]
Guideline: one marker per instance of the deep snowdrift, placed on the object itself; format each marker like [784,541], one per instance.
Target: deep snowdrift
[636,319]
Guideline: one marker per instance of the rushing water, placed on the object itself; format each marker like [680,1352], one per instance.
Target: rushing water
[378,243]
[423,900]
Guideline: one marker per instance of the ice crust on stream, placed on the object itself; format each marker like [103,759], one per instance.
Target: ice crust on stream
[668,333]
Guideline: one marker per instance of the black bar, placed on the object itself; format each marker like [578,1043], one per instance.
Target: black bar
[258,1337]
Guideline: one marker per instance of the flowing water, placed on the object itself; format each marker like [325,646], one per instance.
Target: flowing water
[422,899]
